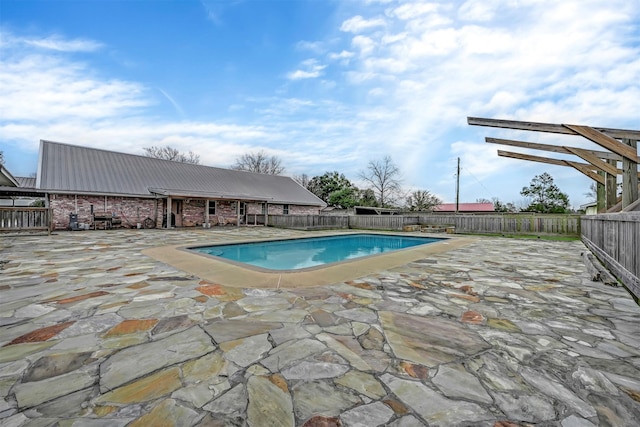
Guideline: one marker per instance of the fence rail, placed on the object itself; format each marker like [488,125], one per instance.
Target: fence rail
[307,221]
[25,219]
[615,240]
[492,224]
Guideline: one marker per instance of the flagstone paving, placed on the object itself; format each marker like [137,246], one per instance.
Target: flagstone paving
[500,332]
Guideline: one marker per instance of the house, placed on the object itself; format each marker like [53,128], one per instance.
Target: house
[590,208]
[93,183]
[465,207]
[17,191]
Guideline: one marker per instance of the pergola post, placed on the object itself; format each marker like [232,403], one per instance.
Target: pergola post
[611,187]
[629,176]
[601,194]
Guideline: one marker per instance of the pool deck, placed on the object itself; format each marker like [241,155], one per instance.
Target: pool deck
[122,328]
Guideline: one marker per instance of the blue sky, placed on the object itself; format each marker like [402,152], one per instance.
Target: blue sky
[324,85]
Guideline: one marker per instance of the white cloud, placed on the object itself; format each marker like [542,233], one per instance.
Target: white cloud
[413,9]
[317,47]
[364,44]
[59,44]
[342,55]
[54,42]
[44,88]
[358,24]
[310,69]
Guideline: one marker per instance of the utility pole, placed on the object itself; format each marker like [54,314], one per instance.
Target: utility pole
[458,186]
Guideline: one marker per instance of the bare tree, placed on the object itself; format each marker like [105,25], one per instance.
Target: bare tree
[302,179]
[421,200]
[259,162]
[384,178]
[170,153]
[1,158]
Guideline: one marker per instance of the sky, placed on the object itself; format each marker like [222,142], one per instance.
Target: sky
[324,85]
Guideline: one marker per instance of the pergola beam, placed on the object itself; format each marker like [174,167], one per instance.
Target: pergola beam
[607,138]
[587,171]
[595,161]
[553,148]
[584,168]
[606,141]
[548,127]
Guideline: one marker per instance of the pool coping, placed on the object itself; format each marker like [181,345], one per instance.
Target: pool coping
[232,275]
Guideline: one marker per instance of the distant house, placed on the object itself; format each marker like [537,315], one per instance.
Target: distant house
[465,207]
[17,191]
[590,208]
[136,189]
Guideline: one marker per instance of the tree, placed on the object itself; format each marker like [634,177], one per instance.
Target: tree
[423,201]
[498,206]
[325,185]
[592,194]
[1,158]
[545,196]
[344,198]
[367,198]
[384,178]
[259,162]
[170,153]
[302,179]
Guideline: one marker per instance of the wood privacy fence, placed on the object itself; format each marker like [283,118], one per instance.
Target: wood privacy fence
[25,219]
[615,240]
[487,224]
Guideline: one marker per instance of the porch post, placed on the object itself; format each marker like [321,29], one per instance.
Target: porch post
[238,213]
[168,212]
[206,211]
[266,213]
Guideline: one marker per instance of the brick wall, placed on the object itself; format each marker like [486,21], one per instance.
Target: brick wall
[303,210]
[193,213]
[130,210]
[134,210]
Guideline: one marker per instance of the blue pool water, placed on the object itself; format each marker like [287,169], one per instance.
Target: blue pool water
[298,254]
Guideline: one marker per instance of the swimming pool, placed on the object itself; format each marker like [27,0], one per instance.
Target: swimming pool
[300,254]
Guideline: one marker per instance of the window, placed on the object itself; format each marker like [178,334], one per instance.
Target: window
[264,208]
[285,209]
[243,208]
[212,207]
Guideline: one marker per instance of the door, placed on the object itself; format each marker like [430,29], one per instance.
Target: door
[176,210]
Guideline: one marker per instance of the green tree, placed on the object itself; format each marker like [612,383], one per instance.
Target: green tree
[545,196]
[422,200]
[367,198]
[384,178]
[498,206]
[344,198]
[325,185]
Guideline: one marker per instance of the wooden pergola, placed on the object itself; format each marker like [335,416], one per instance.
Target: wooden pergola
[620,157]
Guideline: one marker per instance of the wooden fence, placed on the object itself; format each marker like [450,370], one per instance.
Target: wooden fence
[25,219]
[305,221]
[483,224]
[615,240]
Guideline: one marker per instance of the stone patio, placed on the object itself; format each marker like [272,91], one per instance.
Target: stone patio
[498,332]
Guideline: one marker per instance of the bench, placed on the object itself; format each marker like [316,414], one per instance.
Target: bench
[109,220]
[449,229]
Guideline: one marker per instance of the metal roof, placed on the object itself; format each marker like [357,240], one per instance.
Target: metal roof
[65,168]
[6,179]
[465,207]
[26,181]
